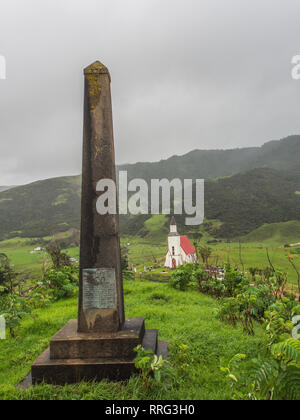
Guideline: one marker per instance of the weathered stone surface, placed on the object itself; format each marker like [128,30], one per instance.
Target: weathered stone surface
[68,343]
[100,345]
[100,241]
[68,371]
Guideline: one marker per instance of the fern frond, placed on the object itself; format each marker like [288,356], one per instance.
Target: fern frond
[288,350]
[288,384]
[265,377]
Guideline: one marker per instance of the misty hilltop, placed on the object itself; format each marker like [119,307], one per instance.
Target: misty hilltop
[207,164]
[245,188]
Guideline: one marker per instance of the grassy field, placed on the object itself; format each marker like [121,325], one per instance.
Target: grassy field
[181,317]
[19,250]
[144,253]
[255,255]
[151,253]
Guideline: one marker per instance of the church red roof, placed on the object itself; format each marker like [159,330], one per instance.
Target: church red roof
[186,245]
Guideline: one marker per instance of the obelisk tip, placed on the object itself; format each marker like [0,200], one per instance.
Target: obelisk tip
[96,68]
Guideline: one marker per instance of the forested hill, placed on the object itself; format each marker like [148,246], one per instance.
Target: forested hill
[41,208]
[207,164]
[241,203]
[6,188]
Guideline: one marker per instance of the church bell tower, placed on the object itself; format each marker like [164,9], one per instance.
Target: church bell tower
[174,243]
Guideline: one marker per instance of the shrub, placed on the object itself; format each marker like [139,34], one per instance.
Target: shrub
[234,281]
[59,259]
[182,276]
[150,365]
[13,308]
[63,282]
[275,379]
[7,275]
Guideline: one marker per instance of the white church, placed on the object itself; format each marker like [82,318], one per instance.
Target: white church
[180,249]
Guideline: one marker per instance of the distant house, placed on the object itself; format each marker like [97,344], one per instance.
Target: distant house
[180,249]
[37,250]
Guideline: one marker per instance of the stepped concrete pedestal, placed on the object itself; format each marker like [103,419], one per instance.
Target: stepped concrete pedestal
[73,357]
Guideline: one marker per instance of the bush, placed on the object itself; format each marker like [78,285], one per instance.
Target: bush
[7,275]
[13,308]
[277,378]
[234,281]
[59,259]
[182,277]
[63,283]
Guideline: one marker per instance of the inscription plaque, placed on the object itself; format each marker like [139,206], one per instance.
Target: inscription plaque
[99,288]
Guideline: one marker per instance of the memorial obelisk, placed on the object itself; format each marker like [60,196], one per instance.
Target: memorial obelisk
[101,306]
[100,343]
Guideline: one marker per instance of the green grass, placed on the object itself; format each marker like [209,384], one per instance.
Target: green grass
[144,252]
[18,251]
[181,317]
[275,234]
[27,264]
[156,226]
[255,255]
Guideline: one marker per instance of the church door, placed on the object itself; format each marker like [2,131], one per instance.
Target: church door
[173,263]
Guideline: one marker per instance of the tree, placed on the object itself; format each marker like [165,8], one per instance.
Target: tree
[291,261]
[124,259]
[205,252]
[7,274]
[59,259]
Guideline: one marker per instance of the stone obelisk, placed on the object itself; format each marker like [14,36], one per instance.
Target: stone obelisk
[101,306]
[100,343]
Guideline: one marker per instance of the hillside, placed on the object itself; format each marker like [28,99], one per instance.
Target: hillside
[41,208]
[283,233]
[5,188]
[246,201]
[207,164]
[241,203]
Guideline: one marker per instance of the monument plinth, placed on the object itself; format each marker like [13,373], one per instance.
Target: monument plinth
[100,344]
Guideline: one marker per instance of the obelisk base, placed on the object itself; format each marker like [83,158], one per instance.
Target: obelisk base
[74,357]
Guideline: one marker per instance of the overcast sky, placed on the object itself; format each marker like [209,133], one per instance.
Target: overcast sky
[186,74]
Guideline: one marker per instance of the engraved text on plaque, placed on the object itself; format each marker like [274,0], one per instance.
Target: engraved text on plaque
[99,288]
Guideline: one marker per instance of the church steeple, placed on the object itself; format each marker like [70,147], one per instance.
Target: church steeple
[173,226]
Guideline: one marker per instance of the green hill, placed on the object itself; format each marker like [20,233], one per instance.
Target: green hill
[283,233]
[207,164]
[6,188]
[40,209]
[246,201]
[238,204]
